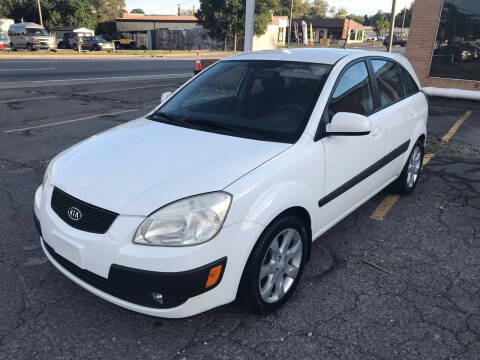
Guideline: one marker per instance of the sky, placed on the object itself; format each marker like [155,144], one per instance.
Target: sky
[360,7]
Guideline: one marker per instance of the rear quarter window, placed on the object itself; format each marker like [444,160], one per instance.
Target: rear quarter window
[390,86]
[409,84]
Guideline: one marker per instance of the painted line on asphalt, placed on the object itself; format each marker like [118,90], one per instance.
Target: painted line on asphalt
[152,76]
[26,99]
[381,211]
[446,138]
[384,207]
[427,158]
[37,69]
[69,121]
[123,89]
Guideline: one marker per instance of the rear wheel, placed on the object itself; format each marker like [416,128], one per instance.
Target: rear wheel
[408,179]
[75,47]
[275,265]
[29,47]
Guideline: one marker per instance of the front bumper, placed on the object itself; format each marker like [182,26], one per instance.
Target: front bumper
[112,267]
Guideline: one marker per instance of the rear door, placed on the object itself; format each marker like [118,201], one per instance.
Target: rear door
[394,114]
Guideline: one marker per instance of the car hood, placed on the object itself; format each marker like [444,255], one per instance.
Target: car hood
[137,167]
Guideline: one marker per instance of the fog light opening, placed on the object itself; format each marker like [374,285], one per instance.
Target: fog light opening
[157,297]
[213,276]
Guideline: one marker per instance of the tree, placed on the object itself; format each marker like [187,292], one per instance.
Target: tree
[137,11]
[225,19]
[380,23]
[108,10]
[300,8]
[358,18]
[408,17]
[340,13]
[318,9]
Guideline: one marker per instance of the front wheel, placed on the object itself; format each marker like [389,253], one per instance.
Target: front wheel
[408,179]
[275,265]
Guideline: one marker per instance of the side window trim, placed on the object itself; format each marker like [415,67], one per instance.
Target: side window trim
[399,68]
[324,119]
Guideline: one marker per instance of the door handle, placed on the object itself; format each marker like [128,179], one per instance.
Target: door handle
[376,132]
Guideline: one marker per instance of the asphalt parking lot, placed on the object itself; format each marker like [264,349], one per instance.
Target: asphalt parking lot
[399,281]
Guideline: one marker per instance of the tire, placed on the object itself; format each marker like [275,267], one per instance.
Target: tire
[29,47]
[263,295]
[117,46]
[96,48]
[75,47]
[406,182]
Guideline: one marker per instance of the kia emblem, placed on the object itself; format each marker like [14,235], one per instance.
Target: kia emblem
[74,213]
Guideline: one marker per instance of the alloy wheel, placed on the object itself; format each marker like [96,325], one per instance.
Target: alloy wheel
[414,165]
[280,265]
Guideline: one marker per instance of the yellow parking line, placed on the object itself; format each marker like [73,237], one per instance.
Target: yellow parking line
[387,203]
[70,121]
[427,158]
[384,207]
[446,138]
[31,98]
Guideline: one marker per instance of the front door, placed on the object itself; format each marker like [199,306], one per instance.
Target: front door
[349,160]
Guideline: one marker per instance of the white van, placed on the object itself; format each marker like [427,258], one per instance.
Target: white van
[31,36]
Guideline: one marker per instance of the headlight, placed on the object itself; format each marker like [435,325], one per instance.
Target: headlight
[46,176]
[189,221]
[101,44]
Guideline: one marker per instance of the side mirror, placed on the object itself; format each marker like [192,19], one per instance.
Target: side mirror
[349,124]
[165,96]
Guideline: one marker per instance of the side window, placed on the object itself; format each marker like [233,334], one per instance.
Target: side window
[410,85]
[390,85]
[353,92]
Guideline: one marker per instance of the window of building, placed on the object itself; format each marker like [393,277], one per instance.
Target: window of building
[456,52]
[353,92]
[390,85]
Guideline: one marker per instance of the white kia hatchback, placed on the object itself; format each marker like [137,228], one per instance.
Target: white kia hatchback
[218,193]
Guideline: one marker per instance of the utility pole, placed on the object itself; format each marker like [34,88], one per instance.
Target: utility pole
[40,12]
[392,26]
[290,25]
[403,21]
[249,19]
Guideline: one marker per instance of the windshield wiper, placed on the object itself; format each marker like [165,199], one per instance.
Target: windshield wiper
[214,125]
[161,114]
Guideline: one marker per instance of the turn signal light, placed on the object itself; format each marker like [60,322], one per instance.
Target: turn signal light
[213,276]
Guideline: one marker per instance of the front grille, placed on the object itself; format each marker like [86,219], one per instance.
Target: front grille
[93,219]
[112,287]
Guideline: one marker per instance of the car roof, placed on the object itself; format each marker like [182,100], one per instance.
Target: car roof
[327,56]
[30,25]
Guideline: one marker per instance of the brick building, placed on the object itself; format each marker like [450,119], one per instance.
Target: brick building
[444,43]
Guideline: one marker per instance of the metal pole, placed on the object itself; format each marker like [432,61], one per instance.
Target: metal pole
[403,21]
[392,26]
[40,12]
[249,19]
[290,24]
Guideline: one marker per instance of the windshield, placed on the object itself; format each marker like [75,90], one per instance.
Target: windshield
[3,36]
[266,100]
[100,39]
[37,32]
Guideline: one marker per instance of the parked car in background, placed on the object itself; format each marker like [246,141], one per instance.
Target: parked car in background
[474,50]
[4,41]
[31,36]
[381,37]
[372,38]
[397,40]
[96,43]
[457,53]
[254,158]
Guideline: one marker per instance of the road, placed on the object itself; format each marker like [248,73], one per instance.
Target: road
[18,72]
[424,307]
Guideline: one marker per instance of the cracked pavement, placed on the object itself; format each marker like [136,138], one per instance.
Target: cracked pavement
[427,308]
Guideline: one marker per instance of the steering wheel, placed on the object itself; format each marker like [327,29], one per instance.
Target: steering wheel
[291,106]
